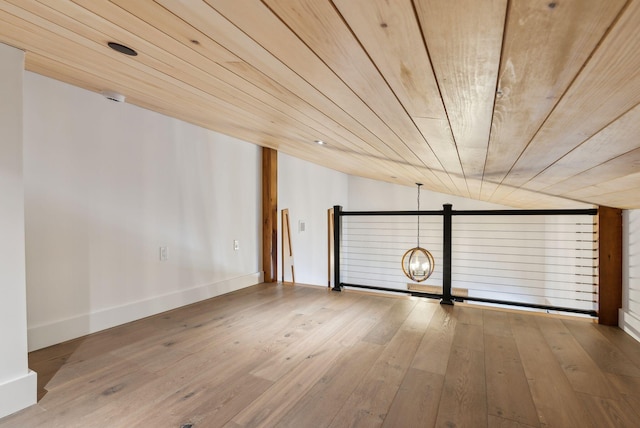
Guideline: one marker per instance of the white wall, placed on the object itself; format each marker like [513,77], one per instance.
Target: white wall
[630,312]
[107,185]
[17,383]
[308,191]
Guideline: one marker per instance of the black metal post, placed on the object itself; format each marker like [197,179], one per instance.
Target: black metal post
[447,299]
[337,229]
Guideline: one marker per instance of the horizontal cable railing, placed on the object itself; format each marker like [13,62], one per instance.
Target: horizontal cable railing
[540,259]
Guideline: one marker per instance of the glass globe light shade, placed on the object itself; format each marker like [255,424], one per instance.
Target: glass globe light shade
[417,264]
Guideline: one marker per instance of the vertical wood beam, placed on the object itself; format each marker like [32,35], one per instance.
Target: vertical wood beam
[610,264]
[270,214]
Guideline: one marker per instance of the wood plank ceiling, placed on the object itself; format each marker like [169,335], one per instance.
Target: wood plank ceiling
[525,103]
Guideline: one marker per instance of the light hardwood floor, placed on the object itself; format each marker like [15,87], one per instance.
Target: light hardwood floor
[297,356]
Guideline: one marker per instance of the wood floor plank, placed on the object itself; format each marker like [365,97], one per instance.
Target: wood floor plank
[463,401]
[605,354]
[469,336]
[627,344]
[319,405]
[369,403]
[628,387]
[434,350]
[216,404]
[605,412]
[498,422]
[556,402]
[387,328]
[496,323]
[278,400]
[469,315]
[416,403]
[355,360]
[508,393]
[90,399]
[583,374]
[282,362]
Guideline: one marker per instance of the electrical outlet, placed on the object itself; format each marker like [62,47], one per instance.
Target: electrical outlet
[164,254]
[236,245]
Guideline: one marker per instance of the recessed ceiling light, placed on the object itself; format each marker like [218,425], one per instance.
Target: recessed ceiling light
[113,96]
[322,143]
[122,49]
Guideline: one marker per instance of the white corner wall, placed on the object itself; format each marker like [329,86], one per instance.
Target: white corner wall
[308,191]
[17,383]
[629,315]
[107,185]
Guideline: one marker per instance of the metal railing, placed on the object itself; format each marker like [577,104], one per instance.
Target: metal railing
[542,259]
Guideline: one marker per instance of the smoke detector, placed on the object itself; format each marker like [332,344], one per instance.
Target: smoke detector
[113,96]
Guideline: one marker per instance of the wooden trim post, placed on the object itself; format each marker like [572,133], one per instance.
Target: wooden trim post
[609,264]
[270,214]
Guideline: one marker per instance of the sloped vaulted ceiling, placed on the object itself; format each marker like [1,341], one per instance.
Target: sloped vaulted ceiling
[526,103]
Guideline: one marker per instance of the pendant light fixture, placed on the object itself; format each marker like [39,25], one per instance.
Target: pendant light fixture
[418,263]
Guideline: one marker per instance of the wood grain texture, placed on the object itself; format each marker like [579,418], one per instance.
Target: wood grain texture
[270,214]
[581,371]
[606,88]
[416,403]
[392,38]
[297,356]
[260,22]
[466,67]
[508,394]
[553,396]
[609,264]
[527,103]
[333,42]
[566,35]
[590,155]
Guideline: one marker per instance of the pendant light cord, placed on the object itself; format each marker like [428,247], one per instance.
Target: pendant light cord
[418,240]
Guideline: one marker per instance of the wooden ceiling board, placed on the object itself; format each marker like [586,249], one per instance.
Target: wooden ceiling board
[253,96]
[605,89]
[202,117]
[261,99]
[62,43]
[324,31]
[302,69]
[620,200]
[623,165]
[620,192]
[613,141]
[527,103]
[464,41]
[391,36]
[231,70]
[207,113]
[546,44]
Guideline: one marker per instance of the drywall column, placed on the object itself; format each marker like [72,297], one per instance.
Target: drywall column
[270,214]
[610,264]
[17,383]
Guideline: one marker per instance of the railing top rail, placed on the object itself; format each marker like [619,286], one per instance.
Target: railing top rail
[585,211]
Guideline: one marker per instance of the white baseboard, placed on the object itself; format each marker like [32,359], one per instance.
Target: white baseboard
[18,394]
[58,331]
[629,323]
